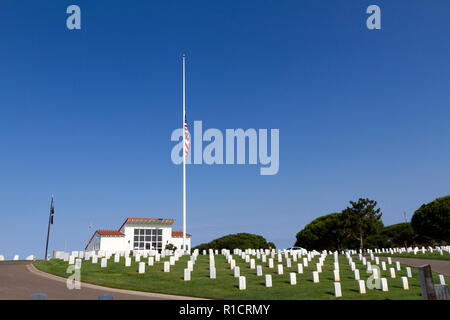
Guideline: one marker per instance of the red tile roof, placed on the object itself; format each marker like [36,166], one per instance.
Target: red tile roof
[110,233]
[177,234]
[163,220]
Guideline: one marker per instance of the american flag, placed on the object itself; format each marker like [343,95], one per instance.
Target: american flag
[187,136]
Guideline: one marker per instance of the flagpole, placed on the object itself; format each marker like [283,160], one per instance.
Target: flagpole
[184,154]
[48,231]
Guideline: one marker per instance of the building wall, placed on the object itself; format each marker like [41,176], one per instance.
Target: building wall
[94,244]
[112,244]
[128,230]
[178,242]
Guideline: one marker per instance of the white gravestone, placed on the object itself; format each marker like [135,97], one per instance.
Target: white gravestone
[166,266]
[127,261]
[138,258]
[151,261]
[336,276]
[78,264]
[190,265]
[319,267]
[375,273]
[356,272]
[258,270]
[237,272]
[293,278]
[280,269]
[232,264]
[288,263]
[389,260]
[405,283]
[268,279]
[252,263]
[172,260]
[242,284]
[383,265]
[408,272]
[271,263]
[71,259]
[94,259]
[187,274]
[392,272]
[141,267]
[305,262]
[441,279]
[337,289]
[116,258]
[104,263]
[212,273]
[397,264]
[384,284]
[299,268]
[315,276]
[263,258]
[362,286]
[336,266]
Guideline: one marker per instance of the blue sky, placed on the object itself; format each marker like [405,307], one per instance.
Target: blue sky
[88,114]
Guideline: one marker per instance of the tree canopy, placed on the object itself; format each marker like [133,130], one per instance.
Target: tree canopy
[432,220]
[237,241]
[323,233]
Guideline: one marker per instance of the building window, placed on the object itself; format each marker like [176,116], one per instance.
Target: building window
[147,239]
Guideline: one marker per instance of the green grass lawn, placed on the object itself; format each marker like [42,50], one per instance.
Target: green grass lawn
[226,286]
[419,255]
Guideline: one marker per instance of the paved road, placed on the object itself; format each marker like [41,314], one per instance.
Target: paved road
[439,266]
[19,279]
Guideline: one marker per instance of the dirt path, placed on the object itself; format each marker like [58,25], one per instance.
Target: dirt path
[439,266]
[19,279]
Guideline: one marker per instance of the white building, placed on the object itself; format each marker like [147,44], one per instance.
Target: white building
[138,234]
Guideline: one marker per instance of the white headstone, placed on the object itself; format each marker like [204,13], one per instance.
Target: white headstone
[166,266]
[315,276]
[299,268]
[408,272]
[94,259]
[172,260]
[384,284]
[212,272]
[187,274]
[237,272]
[392,272]
[397,264]
[305,262]
[280,269]
[127,261]
[141,267]
[151,261]
[336,276]
[405,283]
[336,266]
[389,260]
[242,284]
[78,264]
[268,280]
[259,271]
[104,263]
[293,278]
[375,273]
[441,279]
[356,272]
[362,286]
[252,263]
[288,263]
[270,263]
[319,267]
[116,258]
[383,265]
[337,289]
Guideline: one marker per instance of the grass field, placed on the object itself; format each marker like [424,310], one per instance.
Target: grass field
[419,255]
[226,286]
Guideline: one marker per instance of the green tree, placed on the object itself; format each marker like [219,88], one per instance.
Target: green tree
[170,246]
[432,220]
[362,219]
[323,233]
[400,234]
[237,241]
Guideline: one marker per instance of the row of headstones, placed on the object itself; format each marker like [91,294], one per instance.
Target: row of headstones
[16,257]
[415,250]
